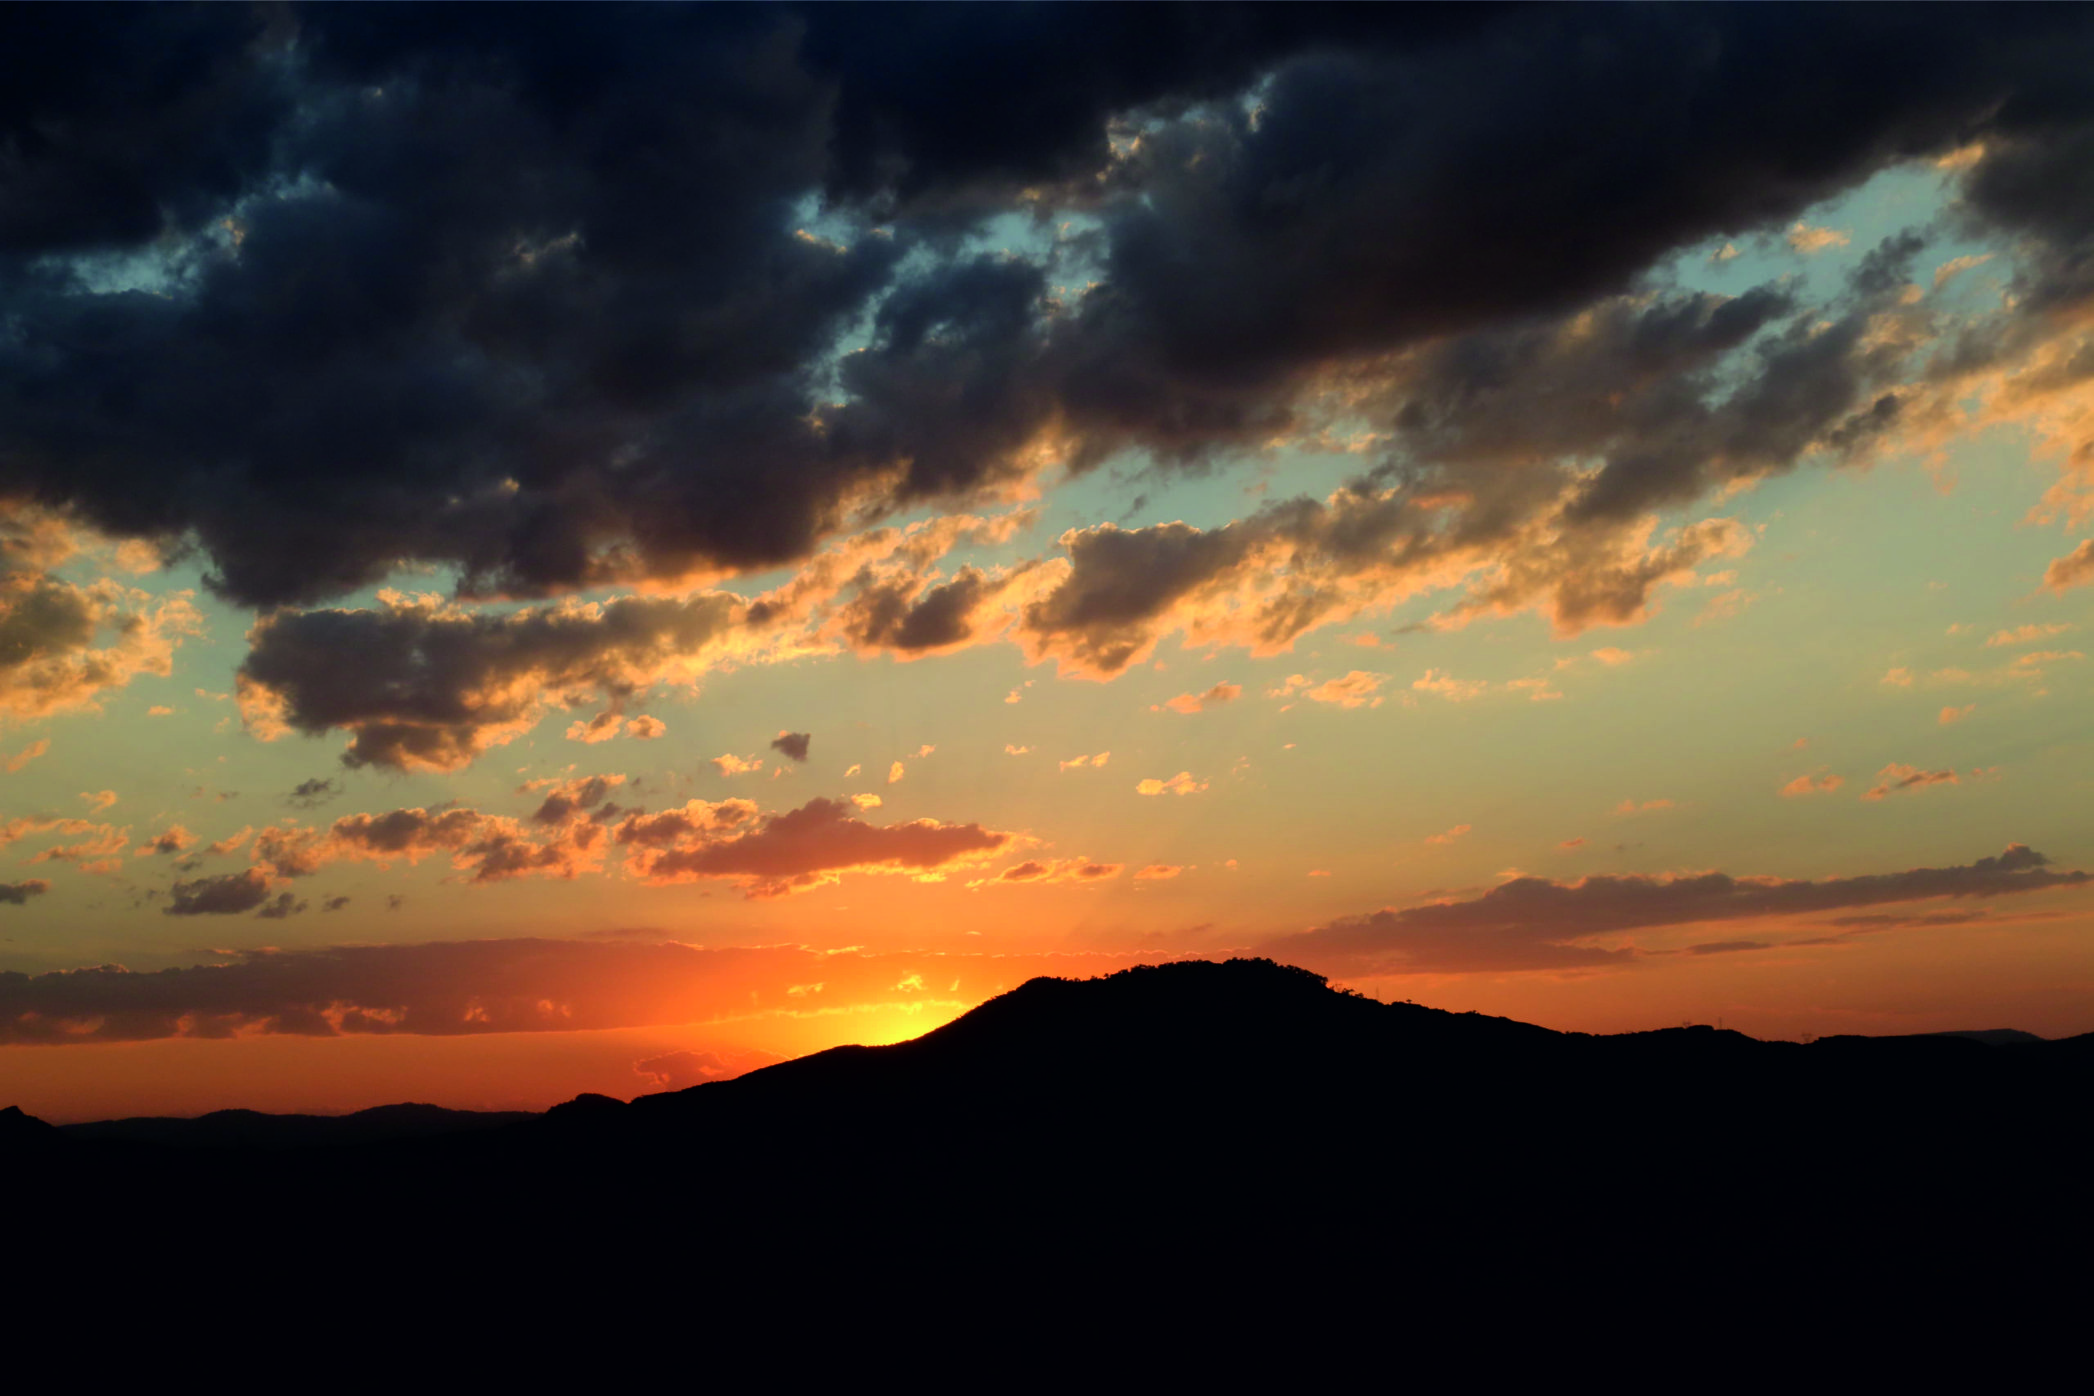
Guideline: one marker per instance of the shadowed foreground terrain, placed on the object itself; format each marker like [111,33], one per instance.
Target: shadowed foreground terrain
[1194,1137]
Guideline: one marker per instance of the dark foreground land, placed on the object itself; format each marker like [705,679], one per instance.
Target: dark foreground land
[1219,1143]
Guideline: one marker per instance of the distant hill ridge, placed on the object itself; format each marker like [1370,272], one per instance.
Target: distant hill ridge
[1149,1018]
[1174,1143]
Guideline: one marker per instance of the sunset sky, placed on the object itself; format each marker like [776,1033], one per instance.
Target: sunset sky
[594,548]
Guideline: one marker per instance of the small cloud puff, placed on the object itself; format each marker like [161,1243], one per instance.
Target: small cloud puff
[2074,569]
[1076,762]
[2026,634]
[1812,785]
[1452,689]
[1897,776]
[1189,703]
[792,744]
[19,893]
[731,765]
[1046,871]
[1179,784]
[1810,241]
[608,724]
[1355,689]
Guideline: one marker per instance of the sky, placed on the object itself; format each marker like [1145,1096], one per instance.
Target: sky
[595,548]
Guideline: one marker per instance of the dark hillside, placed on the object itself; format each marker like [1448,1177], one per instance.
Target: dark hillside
[1199,1129]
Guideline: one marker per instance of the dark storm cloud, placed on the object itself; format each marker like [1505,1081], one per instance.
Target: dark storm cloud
[565,799]
[796,849]
[311,794]
[285,905]
[904,616]
[228,894]
[19,893]
[534,293]
[428,689]
[1534,923]
[792,744]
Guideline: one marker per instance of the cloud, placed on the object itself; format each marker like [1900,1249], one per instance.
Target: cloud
[1631,807]
[1048,871]
[27,754]
[285,904]
[228,894]
[732,765]
[1898,776]
[1956,266]
[482,848]
[1810,241]
[422,687]
[2074,569]
[1158,872]
[19,893]
[229,844]
[2033,662]
[1953,715]
[1011,749]
[626,370]
[63,644]
[100,852]
[1898,678]
[1447,686]
[174,839]
[567,799]
[793,744]
[894,772]
[866,800]
[314,792]
[1189,703]
[811,846]
[1450,835]
[1536,923]
[2026,634]
[607,725]
[98,800]
[1080,762]
[1262,582]
[23,826]
[1815,784]
[1179,784]
[1356,689]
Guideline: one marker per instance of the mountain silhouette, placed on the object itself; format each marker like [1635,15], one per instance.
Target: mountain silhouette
[251,1129]
[1175,1141]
